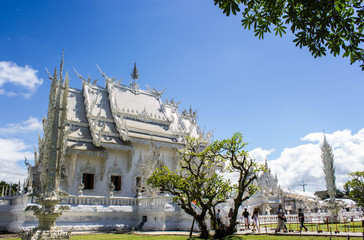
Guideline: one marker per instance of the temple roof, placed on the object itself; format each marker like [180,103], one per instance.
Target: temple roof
[118,116]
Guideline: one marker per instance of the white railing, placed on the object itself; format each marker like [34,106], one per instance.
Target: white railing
[99,200]
[159,200]
[14,200]
[92,200]
[315,217]
[118,201]
[318,222]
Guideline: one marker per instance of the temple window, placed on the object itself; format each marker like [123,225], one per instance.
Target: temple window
[116,180]
[88,180]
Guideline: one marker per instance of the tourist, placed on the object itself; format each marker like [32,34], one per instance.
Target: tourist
[230,214]
[246,218]
[281,220]
[301,218]
[256,219]
[218,217]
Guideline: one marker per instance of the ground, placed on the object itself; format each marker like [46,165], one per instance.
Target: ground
[142,236]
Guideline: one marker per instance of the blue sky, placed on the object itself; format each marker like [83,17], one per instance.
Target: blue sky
[273,92]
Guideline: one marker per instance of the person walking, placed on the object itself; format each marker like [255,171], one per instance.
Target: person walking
[255,218]
[301,218]
[230,215]
[281,220]
[246,218]
[218,218]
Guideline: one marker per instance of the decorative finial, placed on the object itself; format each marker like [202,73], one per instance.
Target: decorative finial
[79,75]
[61,67]
[324,136]
[135,73]
[134,76]
[49,75]
[107,79]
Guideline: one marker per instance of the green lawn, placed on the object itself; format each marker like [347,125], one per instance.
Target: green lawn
[141,237]
[122,237]
[342,227]
[270,237]
[127,237]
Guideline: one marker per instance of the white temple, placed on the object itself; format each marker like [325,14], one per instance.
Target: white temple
[115,137]
[270,195]
[118,135]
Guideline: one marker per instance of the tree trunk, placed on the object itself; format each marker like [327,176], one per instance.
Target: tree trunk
[193,224]
[203,228]
[221,233]
[231,229]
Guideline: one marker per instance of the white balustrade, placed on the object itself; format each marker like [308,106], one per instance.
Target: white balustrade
[118,201]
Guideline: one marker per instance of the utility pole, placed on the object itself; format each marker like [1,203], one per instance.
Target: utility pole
[303,186]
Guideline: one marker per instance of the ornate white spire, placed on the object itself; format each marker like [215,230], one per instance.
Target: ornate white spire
[54,133]
[329,169]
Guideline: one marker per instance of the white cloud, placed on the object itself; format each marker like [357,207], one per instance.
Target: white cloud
[13,150]
[12,153]
[25,77]
[260,154]
[30,125]
[303,163]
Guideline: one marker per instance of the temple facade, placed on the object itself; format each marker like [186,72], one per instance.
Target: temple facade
[114,138]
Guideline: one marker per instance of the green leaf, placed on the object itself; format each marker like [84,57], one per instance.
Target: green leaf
[313,23]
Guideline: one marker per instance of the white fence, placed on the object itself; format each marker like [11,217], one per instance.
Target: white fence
[92,200]
[315,222]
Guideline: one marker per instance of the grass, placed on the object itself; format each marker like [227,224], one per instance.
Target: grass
[313,227]
[342,227]
[270,237]
[127,237]
[169,237]
[122,237]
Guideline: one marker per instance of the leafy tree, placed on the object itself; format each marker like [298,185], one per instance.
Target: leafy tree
[320,25]
[231,151]
[356,187]
[198,185]
[195,185]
